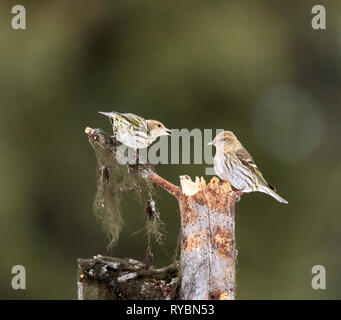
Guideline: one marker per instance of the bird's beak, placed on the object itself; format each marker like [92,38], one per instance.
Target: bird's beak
[167,132]
[107,114]
[212,143]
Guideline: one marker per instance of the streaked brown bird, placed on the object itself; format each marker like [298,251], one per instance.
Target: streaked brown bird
[134,131]
[233,163]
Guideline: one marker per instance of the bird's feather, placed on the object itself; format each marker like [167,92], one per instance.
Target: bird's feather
[247,160]
[136,121]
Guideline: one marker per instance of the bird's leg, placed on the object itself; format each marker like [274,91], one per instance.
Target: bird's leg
[137,163]
[137,156]
[238,194]
[113,136]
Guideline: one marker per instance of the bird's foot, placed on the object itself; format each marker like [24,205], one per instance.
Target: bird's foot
[238,194]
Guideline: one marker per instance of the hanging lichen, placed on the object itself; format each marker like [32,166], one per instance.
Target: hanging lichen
[120,176]
[154,225]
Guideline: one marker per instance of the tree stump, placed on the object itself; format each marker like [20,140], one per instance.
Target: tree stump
[208,251]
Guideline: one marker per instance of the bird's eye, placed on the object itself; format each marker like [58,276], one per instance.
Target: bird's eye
[159,125]
[95,137]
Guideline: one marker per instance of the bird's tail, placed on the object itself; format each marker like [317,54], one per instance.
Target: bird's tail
[274,195]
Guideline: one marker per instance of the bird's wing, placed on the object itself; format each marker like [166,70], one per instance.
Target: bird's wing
[135,121]
[247,160]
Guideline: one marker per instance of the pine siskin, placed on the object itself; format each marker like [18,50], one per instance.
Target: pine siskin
[233,163]
[134,131]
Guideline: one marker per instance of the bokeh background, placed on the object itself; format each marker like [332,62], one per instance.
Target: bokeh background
[254,67]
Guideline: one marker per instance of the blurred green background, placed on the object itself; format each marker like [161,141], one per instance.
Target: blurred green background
[254,67]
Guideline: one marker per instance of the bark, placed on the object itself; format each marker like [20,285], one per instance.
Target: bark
[107,278]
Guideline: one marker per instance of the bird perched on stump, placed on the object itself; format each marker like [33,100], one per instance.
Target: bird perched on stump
[134,131]
[233,163]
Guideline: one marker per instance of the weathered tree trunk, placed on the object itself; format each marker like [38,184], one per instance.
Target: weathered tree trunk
[208,251]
